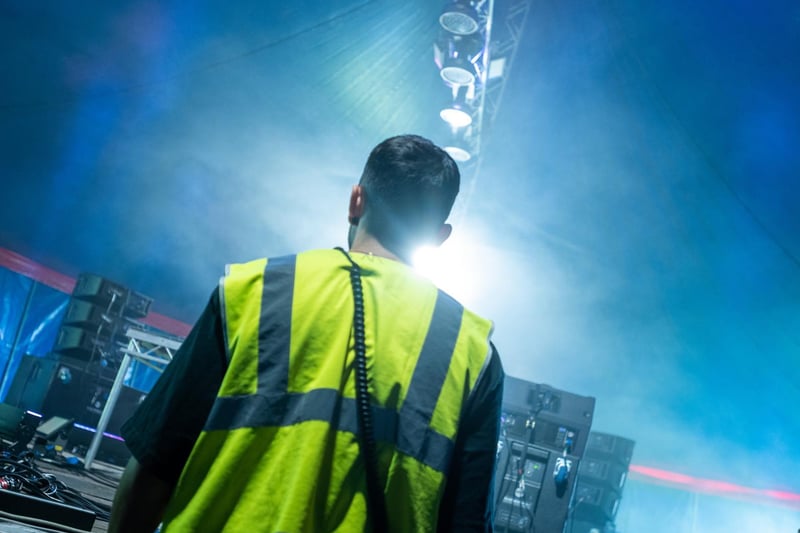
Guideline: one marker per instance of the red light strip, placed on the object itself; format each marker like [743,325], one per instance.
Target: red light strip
[720,488]
[31,269]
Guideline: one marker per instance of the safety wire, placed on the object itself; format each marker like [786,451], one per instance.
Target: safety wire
[375,502]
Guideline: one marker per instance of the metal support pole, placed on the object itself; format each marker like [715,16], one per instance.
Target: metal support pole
[158,350]
[108,410]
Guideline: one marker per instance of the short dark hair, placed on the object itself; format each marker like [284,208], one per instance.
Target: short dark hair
[410,186]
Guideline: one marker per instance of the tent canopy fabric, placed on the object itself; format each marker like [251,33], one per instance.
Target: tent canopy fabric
[632,227]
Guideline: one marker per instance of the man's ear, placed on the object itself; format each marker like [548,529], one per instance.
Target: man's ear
[357,203]
[443,234]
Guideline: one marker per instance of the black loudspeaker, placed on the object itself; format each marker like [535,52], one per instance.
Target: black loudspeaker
[81,395]
[76,342]
[601,479]
[610,447]
[90,343]
[86,315]
[99,313]
[111,296]
[521,474]
[595,503]
[603,472]
[531,497]
[544,433]
[562,419]
[31,382]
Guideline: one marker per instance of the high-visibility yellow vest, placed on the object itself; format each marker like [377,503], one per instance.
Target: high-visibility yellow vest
[279,451]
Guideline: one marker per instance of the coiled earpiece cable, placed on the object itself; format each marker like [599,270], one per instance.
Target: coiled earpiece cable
[376,506]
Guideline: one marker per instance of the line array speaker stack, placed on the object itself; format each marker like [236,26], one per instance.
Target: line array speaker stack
[75,382]
[99,312]
[601,478]
[544,432]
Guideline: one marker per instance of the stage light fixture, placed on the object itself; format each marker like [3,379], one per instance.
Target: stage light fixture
[458,147]
[458,153]
[458,142]
[460,18]
[456,117]
[458,72]
[458,58]
[457,111]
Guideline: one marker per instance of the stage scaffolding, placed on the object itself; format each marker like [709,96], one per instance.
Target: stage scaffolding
[148,348]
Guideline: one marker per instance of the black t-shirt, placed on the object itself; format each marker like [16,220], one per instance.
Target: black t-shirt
[163,430]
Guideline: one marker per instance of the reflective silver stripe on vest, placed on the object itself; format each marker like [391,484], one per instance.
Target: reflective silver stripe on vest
[275,325]
[415,437]
[409,430]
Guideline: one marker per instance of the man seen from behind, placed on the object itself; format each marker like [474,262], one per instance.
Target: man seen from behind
[256,426]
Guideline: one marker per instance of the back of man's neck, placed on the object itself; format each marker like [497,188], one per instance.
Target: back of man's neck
[367,244]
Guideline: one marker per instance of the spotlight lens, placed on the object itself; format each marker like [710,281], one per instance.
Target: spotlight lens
[457,118]
[459,154]
[458,23]
[457,76]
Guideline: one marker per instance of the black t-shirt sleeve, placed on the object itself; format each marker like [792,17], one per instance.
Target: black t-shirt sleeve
[163,430]
[468,502]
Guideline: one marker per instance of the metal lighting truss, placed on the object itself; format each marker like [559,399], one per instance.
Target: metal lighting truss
[502,51]
[150,349]
[492,64]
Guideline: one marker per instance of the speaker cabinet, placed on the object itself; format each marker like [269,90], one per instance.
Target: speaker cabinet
[81,395]
[31,382]
[544,435]
[563,419]
[595,503]
[530,497]
[610,474]
[601,479]
[114,298]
